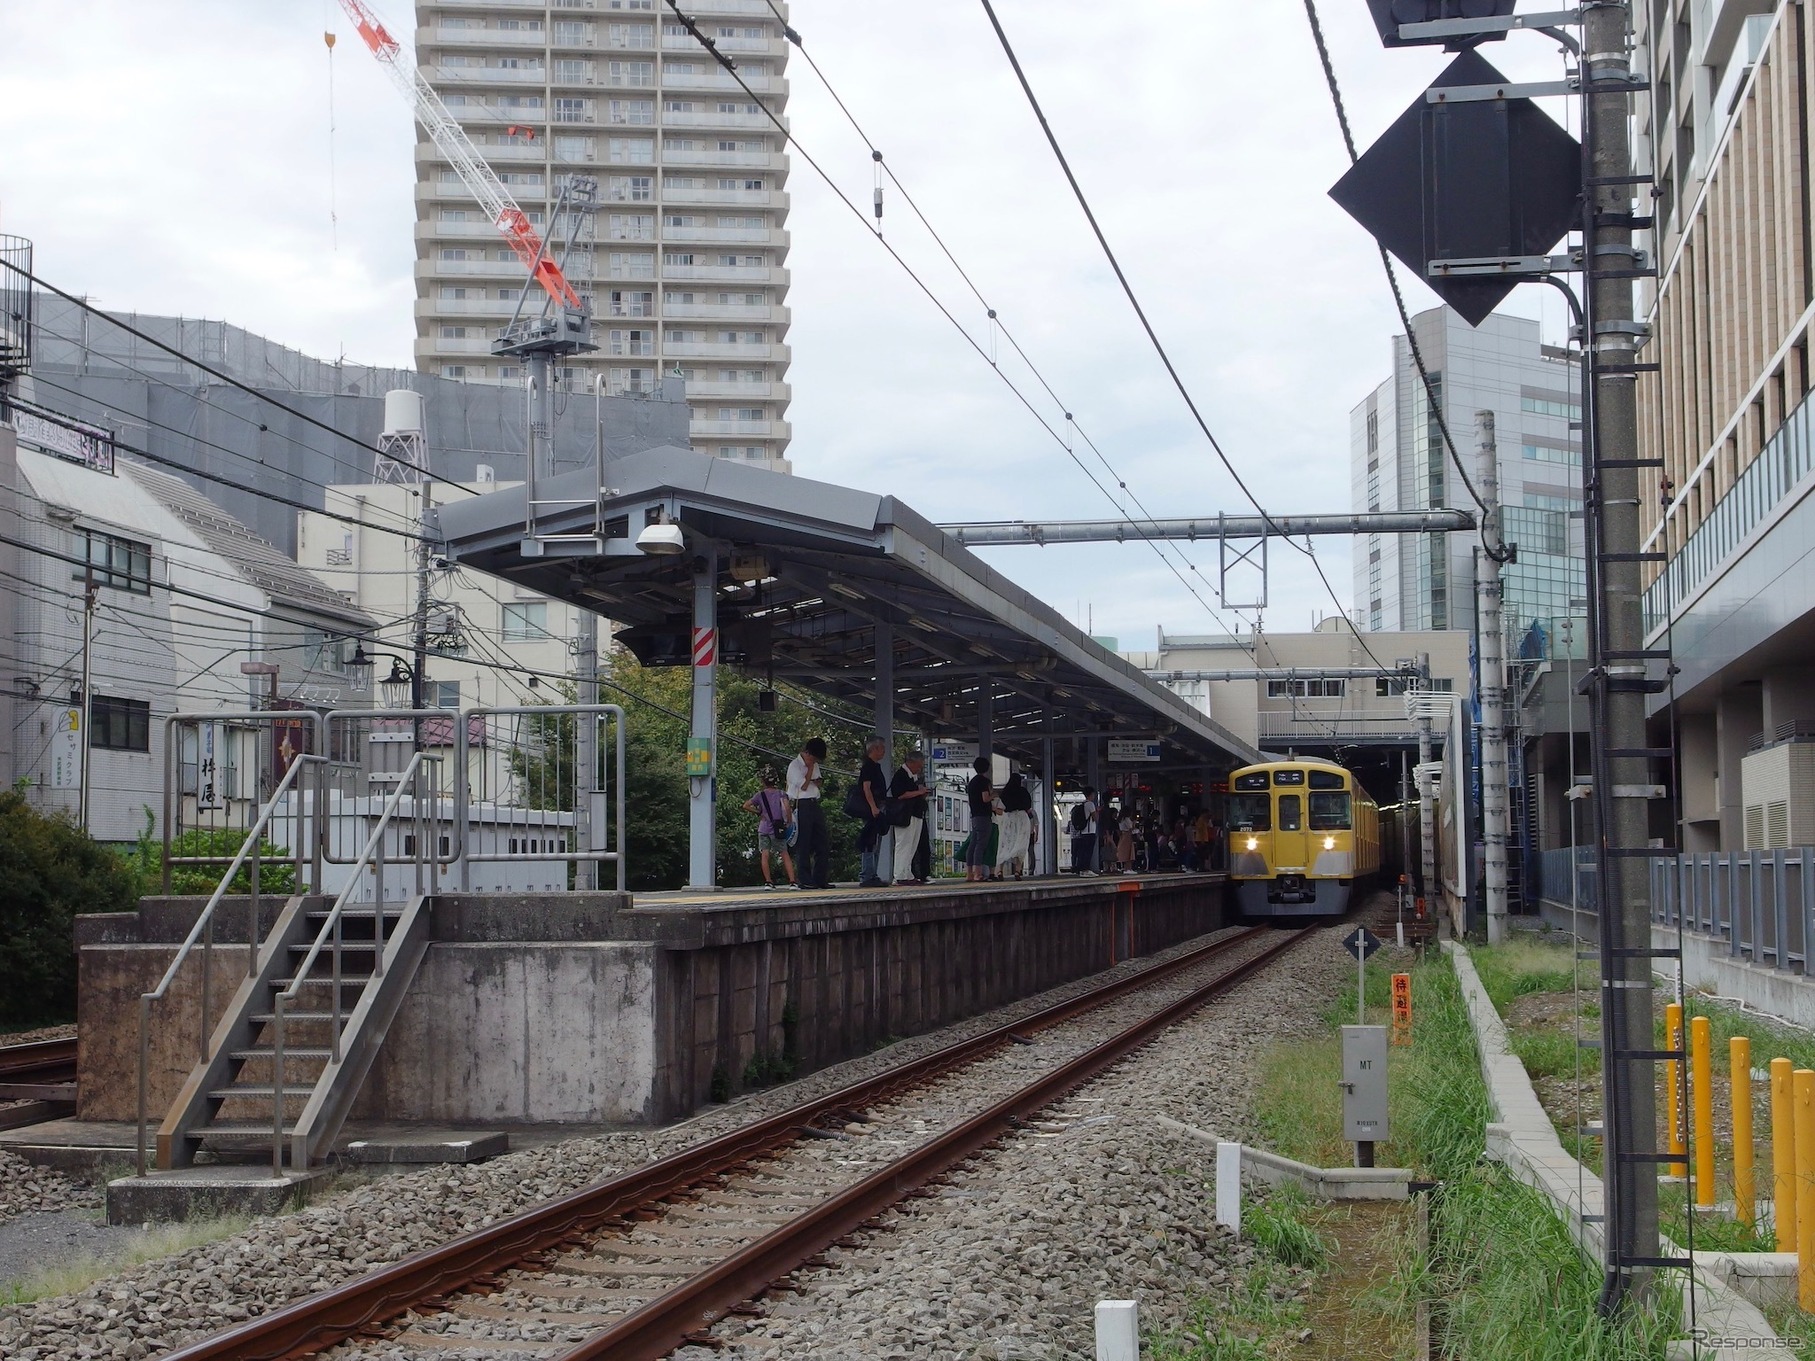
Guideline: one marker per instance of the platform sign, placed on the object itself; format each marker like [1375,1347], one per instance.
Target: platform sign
[699,757]
[1402,1009]
[208,771]
[1122,752]
[954,753]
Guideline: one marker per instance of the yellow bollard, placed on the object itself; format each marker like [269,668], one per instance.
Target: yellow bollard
[1673,1085]
[1739,1057]
[1701,1092]
[1783,1156]
[1803,1085]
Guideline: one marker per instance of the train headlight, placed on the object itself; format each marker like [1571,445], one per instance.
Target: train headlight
[1253,844]
[1329,843]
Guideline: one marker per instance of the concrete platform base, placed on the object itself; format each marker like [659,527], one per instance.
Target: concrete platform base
[206,1193]
[427,1146]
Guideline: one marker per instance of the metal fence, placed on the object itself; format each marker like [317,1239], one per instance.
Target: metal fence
[523,799]
[1568,875]
[1762,903]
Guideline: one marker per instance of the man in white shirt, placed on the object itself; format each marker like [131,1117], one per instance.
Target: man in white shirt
[812,849]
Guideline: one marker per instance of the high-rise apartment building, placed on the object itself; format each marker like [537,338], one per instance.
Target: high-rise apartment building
[1398,462]
[684,255]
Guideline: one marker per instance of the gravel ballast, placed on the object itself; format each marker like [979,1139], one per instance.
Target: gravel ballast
[176,1299]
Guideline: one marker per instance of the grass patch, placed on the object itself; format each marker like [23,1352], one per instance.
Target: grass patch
[1280,1230]
[1255,1320]
[1526,962]
[1713,1232]
[1553,1053]
[141,1246]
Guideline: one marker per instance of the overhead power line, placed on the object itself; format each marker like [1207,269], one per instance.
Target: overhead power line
[730,67]
[1141,312]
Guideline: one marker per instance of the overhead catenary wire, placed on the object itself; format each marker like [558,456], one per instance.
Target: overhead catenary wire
[730,68]
[37,281]
[1140,312]
[1160,546]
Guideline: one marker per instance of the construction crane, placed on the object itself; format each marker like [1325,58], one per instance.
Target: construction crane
[564,326]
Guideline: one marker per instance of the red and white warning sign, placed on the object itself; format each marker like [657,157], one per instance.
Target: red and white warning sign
[705,646]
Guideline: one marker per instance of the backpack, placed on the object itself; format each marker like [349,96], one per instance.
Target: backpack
[855,805]
[1079,819]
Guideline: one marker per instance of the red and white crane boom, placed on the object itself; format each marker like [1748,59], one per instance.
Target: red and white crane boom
[451,139]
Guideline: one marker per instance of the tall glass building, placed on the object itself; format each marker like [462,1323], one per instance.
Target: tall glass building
[1399,463]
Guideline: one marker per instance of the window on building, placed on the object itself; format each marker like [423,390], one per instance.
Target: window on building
[630,342]
[636,111]
[630,35]
[1557,405]
[630,226]
[1319,687]
[453,370]
[1541,452]
[631,265]
[119,724]
[441,695]
[525,621]
[453,333]
[630,151]
[632,303]
[453,253]
[122,564]
[630,188]
[570,150]
[322,651]
[573,111]
[637,73]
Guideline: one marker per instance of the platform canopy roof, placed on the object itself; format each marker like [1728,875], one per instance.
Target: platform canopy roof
[807,572]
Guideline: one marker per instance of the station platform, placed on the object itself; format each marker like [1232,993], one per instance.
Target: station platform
[604,1009]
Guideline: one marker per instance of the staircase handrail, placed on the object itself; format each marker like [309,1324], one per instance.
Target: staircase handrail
[203,930]
[427,816]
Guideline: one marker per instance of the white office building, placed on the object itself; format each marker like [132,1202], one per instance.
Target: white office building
[1398,462]
[685,255]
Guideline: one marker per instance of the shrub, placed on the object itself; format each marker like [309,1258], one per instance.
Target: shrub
[276,873]
[50,870]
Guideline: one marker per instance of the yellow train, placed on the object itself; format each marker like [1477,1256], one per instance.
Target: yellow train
[1300,833]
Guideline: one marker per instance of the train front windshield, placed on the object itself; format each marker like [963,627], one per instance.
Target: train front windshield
[1250,812]
[1329,812]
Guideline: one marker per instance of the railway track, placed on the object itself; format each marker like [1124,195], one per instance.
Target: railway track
[44,1070]
[641,1264]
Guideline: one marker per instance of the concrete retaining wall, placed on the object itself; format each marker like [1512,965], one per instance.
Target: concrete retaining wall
[578,1007]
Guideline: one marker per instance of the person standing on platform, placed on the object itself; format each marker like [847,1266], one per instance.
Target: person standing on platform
[978,864]
[873,840]
[1109,821]
[1017,823]
[805,777]
[772,818]
[907,797]
[1084,833]
[1124,843]
[1200,838]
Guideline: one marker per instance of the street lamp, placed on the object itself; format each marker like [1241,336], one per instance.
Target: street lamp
[397,690]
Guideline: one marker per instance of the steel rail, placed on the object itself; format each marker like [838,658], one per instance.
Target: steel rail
[38,1059]
[319,1321]
[657,1328]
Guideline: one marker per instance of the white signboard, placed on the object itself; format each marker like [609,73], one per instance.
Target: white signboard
[66,439]
[208,771]
[952,753]
[66,751]
[1121,752]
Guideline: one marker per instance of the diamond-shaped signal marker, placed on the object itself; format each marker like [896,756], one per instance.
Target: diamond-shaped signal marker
[1389,14]
[1475,179]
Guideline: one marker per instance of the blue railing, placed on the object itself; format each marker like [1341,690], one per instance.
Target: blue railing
[1761,903]
[1783,464]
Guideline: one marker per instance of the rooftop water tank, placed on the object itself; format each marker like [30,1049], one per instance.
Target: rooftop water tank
[402,412]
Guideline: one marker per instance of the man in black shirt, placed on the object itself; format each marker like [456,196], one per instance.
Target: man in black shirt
[977,861]
[908,792]
[872,841]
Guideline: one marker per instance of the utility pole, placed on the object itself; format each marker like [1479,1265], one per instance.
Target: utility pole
[1621,768]
[586,748]
[1427,794]
[420,661]
[88,702]
[1492,683]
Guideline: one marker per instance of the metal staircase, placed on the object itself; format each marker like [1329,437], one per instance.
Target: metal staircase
[287,1059]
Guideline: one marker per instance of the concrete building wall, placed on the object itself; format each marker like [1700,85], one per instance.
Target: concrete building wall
[685,257]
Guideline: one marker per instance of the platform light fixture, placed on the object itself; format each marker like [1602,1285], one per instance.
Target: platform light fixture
[661,537]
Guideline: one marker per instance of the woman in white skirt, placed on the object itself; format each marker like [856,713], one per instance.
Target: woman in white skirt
[1017,828]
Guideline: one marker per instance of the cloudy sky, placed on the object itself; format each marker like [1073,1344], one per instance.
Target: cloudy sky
[177,158]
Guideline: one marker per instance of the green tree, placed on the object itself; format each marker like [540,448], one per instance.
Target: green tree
[50,870]
[657,703]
